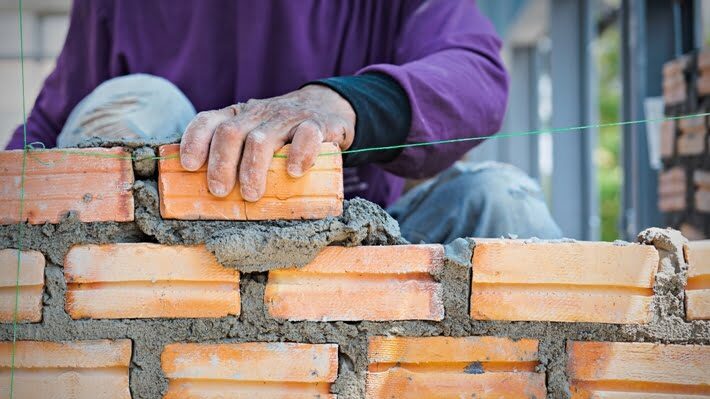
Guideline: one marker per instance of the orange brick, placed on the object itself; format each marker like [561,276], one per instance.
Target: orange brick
[667,139]
[692,125]
[638,370]
[690,144]
[703,84]
[80,369]
[250,370]
[31,285]
[96,183]
[572,282]
[446,367]
[697,295]
[672,190]
[318,194]
[148,280]
[386,283]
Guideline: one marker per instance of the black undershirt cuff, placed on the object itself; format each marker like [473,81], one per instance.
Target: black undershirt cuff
[383,115]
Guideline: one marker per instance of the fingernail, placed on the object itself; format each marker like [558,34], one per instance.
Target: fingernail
[249,193]
[294,170]
[218,189]
[189,162]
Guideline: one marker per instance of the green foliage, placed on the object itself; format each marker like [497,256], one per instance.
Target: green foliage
[607,154]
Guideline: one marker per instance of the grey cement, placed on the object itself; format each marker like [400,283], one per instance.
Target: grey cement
[261,246]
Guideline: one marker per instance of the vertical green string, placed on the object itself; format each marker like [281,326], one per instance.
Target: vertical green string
[20,225]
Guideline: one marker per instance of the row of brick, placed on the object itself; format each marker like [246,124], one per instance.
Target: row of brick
[96,184]
[398,367]
[677,192]
[686,77]
[684,137]
[511,280]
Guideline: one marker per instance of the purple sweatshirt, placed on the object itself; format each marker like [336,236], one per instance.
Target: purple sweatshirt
[443,53]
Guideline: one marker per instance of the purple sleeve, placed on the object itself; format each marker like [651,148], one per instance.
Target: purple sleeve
[448,62]
[81,66]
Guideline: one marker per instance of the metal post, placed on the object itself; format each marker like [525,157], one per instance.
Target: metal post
[574,103]
[647,42]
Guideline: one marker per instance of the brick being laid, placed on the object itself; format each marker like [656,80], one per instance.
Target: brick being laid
[566,282]
[25,289]
[638,370]
[94,183]
[275,370]
[697,290]
[453,367]
[317,194]
[139,280]
[79,369]
[386,282]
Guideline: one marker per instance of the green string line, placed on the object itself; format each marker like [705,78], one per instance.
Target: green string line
[31,146]
[22,201]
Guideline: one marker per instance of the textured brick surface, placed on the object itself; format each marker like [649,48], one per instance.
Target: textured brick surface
[318,194]
[667,138]
[638,370]
[31,284]
[573,282]
[697,293]
[148,280]
[95,183]
[444,367]
[386,282]
[250,370]
[672,190]
[80,369]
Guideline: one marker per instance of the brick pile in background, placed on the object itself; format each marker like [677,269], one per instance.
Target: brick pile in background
[482,318]
[684,182]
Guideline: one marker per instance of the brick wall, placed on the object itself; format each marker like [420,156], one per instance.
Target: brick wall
[684,182]
[117,301]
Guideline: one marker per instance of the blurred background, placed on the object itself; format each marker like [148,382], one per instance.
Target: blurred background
[572,63]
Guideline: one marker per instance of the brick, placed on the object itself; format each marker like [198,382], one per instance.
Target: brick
[448,367]
[318,194]
[690,144]
[80,369]
[691,232]
[675,66]
[30,282]
[702,200]
[702,178]
[569,282]
[672,190]
[697,294]
[703,84]
[703,61]
[667,139]
[695,124]
[386,282]
[95,183]
[148,280]
[278,370]
[637,370]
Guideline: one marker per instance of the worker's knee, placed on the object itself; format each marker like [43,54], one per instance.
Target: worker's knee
[506,201]
[136,106]
[475,200]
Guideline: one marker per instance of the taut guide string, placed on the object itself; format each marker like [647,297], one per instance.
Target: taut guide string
[36,147]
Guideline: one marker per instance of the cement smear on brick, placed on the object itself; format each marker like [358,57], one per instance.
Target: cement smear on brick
[262,246]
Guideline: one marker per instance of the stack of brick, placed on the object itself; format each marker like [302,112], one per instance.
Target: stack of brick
[117,315]
[685,145]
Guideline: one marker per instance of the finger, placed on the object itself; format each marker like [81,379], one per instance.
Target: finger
[225,152]
[258,151]
[305,147]
[195,143]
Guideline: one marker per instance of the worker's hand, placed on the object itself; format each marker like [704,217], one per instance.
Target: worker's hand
[244,137]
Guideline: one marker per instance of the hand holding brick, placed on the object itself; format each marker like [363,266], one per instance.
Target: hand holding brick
[317,194]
